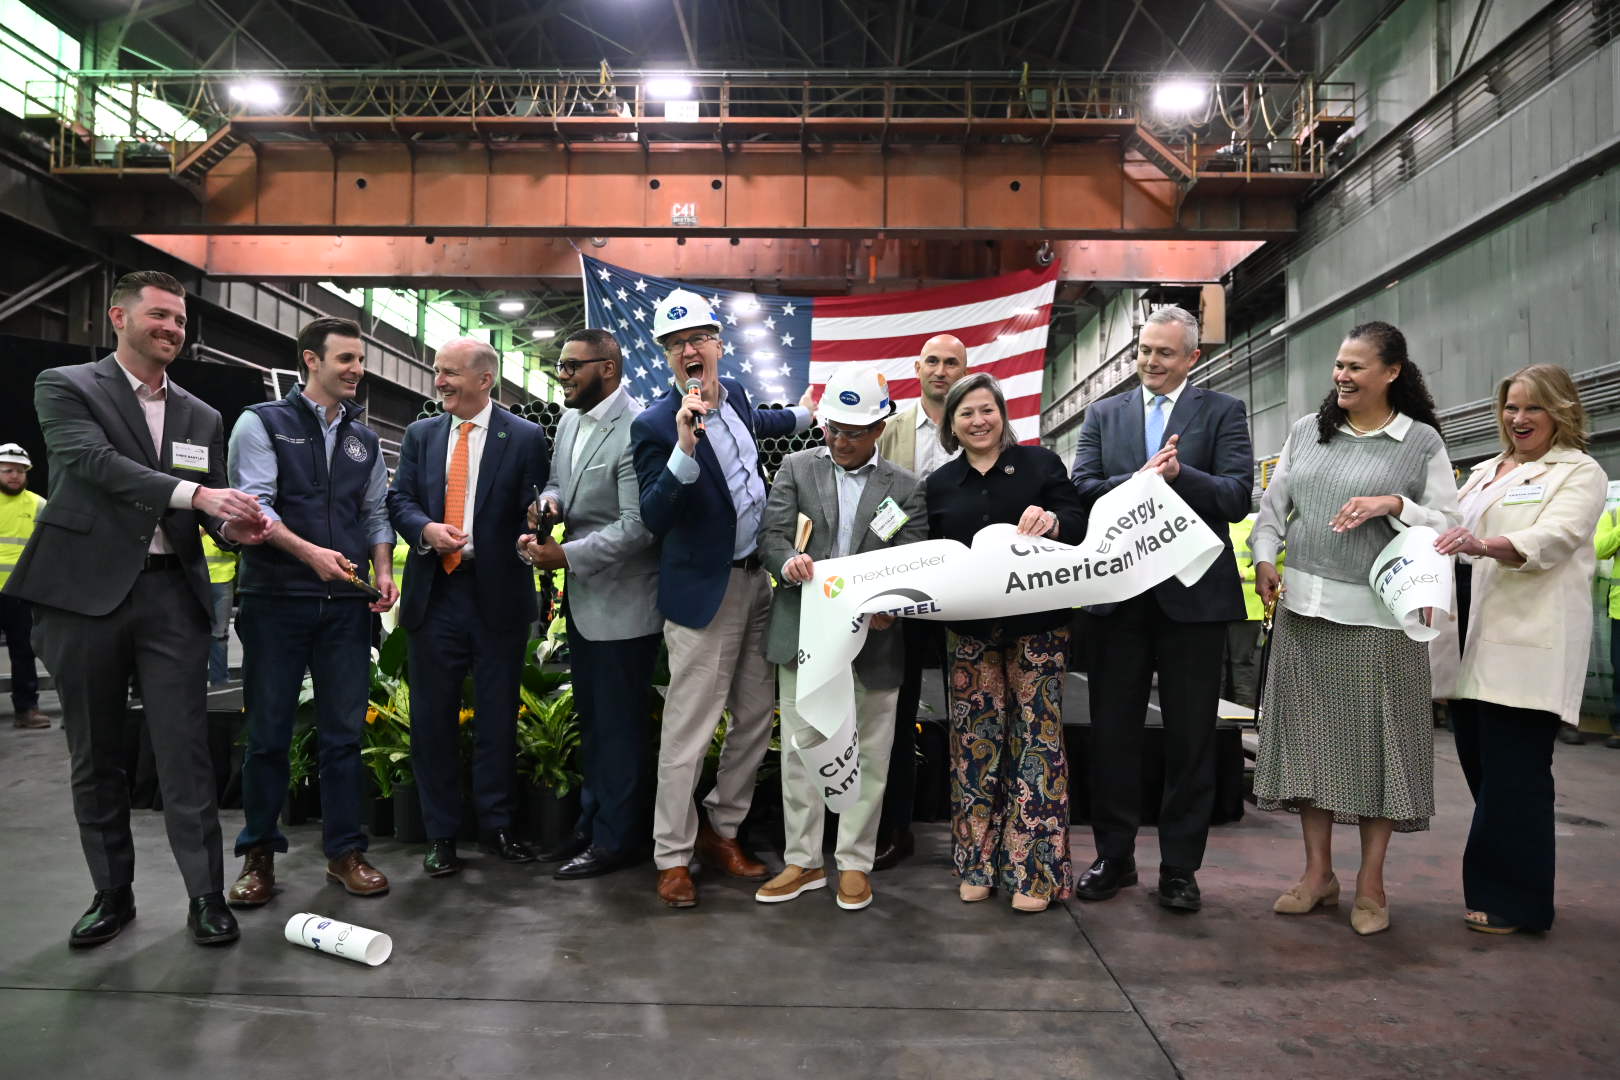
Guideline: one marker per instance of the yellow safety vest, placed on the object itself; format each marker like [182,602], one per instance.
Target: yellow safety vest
[1608,547]
[401,551]
[221,564]
[1245,560]
[17,515]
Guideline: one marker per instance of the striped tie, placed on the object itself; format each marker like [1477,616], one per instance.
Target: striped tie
[455,492]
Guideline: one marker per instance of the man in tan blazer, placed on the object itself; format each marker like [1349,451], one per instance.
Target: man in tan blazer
[911,441]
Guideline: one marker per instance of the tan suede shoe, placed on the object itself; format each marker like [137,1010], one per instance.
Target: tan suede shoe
[790,884]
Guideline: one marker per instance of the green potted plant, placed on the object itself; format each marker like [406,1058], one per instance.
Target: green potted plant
[548,738]
[386,749]
[303,762]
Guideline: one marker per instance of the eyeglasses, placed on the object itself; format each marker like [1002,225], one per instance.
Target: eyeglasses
[697,341]
[567,368]
[844,434]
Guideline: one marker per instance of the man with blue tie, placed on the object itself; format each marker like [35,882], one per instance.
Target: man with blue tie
[1198,441]
[464,483]
[703,493]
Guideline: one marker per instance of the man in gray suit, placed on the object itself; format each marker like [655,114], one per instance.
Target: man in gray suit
[116,573]
[614,625]
[854,501]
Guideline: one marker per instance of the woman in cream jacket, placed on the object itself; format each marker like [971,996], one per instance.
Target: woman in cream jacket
[1528,516]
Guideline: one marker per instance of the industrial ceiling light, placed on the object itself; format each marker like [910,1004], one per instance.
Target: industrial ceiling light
[668,88]
[512,307]
[257,93]
[1179,96]
[542,333]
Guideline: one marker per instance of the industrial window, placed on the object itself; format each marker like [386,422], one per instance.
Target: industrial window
[513,368]
[357,297]
[397,309]
[34,56]
[440,323]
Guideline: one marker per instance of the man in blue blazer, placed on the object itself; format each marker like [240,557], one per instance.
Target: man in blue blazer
[459,498]
[703,493]
[1198,441]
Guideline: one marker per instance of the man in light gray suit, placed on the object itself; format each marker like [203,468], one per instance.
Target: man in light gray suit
[614,626]
[854,501]
[116,574]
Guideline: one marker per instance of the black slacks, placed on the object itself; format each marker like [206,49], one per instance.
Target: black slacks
[924,648]
[1511,858]
[160,635]
[1125,648]
[612,691]
[453,640]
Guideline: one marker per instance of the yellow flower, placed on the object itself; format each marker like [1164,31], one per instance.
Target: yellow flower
[466,715]
[371,715]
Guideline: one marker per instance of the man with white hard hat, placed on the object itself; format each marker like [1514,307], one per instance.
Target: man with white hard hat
[703,494]
[19,508]
[854,500]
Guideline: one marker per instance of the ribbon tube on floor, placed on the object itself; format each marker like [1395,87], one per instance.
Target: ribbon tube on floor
[1139,534]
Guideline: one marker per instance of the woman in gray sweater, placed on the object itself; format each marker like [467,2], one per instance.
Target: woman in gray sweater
[1346,732]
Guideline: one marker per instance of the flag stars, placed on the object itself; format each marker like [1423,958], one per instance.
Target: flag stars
[730,348]
[747,366]
[770,322]
[787,340]
[641,373]
[641,316]
[623,325]
[731,319]
[788,310]
[641,285]
[622,295]
[603,274]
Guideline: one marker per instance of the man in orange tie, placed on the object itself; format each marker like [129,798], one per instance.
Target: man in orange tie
[464,481]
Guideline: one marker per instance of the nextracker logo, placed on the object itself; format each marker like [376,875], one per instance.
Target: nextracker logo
[922,562]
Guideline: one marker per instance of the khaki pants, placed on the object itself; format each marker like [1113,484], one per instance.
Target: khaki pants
[721,666]
[803,813]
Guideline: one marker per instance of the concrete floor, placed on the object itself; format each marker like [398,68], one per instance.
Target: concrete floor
[505,972]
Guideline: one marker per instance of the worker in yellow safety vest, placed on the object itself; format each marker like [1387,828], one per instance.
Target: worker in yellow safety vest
[19,509]
[222,591]
[1243,674]
[1608,547]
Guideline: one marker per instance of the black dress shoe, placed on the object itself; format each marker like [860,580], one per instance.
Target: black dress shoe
[109,912]
[441,859]
[210,920]
[593,862]
[574,845]
[891,852]
[504,842]
[1104,879]
[1178,889]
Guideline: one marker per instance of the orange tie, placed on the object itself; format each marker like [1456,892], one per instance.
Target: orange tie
[455,493]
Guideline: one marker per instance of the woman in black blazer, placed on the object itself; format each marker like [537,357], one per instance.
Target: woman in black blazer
[1009,775]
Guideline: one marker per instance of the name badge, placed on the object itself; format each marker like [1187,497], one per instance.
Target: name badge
[1524,493]
[888,519]
[184,455]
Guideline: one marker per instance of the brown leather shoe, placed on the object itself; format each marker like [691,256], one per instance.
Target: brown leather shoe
[728,855]
[359,877]
[675,887]
[32,719]
[257,882]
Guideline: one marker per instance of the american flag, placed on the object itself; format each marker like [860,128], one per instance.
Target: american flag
[774,345]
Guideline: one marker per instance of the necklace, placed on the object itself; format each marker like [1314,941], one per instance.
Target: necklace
[1369,431]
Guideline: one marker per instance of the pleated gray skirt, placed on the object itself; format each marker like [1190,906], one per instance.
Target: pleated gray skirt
[1346,723]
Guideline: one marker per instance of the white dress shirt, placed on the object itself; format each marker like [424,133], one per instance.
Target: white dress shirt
[154,404]
[928,455]
[475,452]
[1173,396]
[589,422]
[1350,602]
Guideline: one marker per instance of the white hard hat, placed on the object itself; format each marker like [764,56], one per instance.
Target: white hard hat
[682,310]
[855,394]
[13,454]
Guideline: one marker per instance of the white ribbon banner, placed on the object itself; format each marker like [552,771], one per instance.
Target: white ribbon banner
[1409,576]
[1140,534]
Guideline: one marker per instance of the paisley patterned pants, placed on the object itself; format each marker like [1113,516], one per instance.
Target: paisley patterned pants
[1009,774]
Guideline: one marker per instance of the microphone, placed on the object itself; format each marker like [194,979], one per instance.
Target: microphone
[692,387]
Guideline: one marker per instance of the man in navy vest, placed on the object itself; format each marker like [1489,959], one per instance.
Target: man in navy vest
[319,473]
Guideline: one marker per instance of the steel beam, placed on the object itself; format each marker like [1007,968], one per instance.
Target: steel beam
[832,265]
[1071,191]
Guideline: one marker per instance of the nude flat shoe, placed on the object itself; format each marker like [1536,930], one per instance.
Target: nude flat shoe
[1366,917]
[972,894]
[1297,901]
[1021,902]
